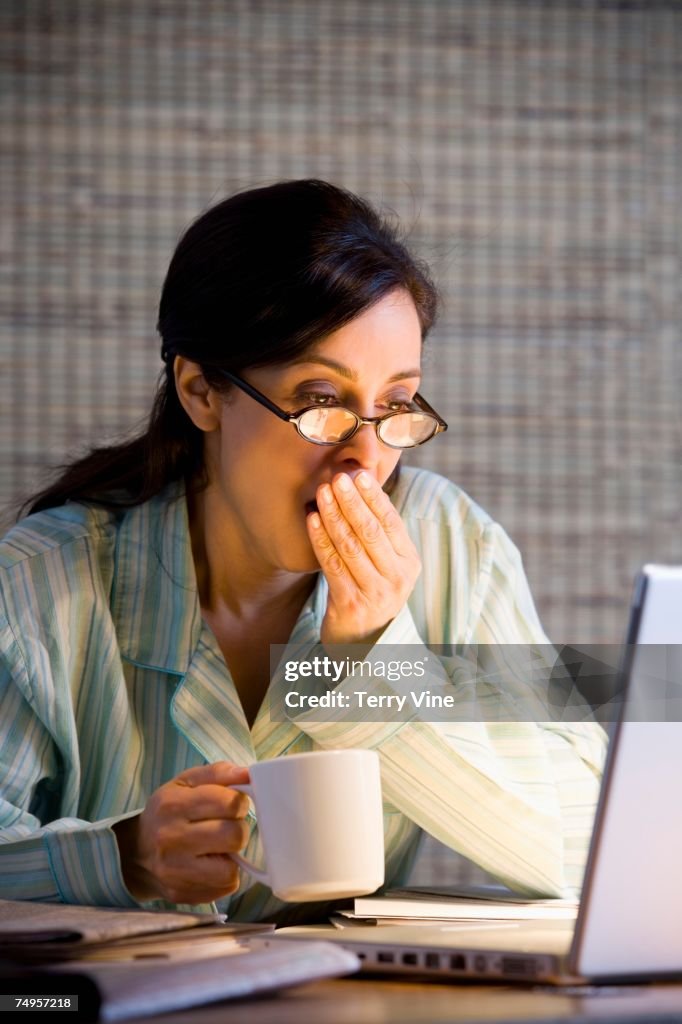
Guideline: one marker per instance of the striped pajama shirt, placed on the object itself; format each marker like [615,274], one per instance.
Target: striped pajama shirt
[111,684]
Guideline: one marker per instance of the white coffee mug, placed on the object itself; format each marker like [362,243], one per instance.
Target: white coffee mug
[321,823]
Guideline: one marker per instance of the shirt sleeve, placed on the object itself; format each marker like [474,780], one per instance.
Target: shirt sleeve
[67,860]
[502,781]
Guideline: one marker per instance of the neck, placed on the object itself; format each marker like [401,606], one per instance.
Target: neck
[229,577]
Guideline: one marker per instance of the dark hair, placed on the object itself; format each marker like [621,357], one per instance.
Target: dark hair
[254,281]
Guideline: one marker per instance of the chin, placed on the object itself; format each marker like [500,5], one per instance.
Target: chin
[299,557]
[302,564]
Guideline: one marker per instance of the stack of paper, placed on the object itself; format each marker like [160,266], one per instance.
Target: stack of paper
[481,903]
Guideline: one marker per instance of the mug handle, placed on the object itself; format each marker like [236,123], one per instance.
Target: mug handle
[237,857]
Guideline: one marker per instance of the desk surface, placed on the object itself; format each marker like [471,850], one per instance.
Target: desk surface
[372,1001]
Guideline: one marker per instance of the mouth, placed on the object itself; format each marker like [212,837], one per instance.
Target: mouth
[311,506]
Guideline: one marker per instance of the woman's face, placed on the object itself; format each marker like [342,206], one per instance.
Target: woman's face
[267,475]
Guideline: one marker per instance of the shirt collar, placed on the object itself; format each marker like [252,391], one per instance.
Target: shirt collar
[155,601]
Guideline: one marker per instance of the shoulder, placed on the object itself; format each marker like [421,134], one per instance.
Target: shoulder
[421,496]
[473,581]
[445,522]
[80,568]
[55,571]
[56,534]
[57,565]
[452,533]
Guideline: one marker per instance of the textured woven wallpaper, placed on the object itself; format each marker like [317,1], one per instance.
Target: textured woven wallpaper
[532,149]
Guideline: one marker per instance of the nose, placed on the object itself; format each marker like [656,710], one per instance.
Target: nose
[363,450]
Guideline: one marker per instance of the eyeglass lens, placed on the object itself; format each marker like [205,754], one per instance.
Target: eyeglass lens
[407,429]
[329,424]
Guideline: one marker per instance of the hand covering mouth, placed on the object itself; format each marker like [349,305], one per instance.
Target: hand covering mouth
[311,506]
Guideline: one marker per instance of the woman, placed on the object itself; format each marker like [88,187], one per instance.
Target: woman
[262,506]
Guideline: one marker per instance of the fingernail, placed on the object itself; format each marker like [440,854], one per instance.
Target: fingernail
[314,520]
[363,480]
[343,483]
[327,495]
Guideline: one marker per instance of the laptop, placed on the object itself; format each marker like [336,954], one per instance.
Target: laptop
[628,925]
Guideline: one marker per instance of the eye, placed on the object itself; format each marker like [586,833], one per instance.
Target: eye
[399,403]
[316,398]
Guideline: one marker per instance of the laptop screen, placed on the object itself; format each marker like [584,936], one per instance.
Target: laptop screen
[631,907]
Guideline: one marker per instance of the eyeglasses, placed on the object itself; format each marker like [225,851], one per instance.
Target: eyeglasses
[333,424]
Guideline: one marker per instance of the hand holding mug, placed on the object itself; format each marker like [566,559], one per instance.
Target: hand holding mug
[179,847]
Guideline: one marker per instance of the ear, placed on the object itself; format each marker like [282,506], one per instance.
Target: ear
[200,401]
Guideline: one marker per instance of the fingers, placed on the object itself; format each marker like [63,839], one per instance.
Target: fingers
[360,534]
[220,773]
[377,501]
[204,837]
[208,802]
[204,792]
[203,879]
[357,530]
[338,550]
[367,557]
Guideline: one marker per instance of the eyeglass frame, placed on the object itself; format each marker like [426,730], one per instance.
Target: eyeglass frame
[360,421]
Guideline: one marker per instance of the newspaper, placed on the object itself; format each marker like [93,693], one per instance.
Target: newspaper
[141,962]
[48,931]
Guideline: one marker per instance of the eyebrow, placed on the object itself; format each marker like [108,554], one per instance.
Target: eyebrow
[345,371]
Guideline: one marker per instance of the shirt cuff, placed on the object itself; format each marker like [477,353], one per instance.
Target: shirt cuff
[86,864]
